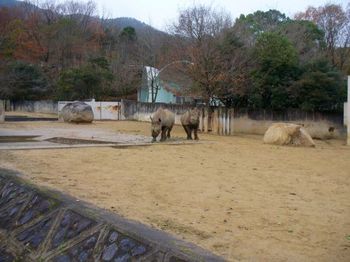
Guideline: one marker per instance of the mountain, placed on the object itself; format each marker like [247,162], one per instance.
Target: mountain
[8,3]
[13,3]
[141,28]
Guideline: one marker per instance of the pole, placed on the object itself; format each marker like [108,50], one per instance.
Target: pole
[348,112]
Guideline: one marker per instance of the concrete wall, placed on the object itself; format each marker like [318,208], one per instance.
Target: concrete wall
[321,129]
[102,110]
[319,125]
[228,121]
[2,111]
[43,106]
[132,110]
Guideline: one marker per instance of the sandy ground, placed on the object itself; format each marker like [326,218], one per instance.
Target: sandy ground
[235,196]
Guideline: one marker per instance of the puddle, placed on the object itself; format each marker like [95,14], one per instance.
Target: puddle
[17,139]
[20,118]
[76,141]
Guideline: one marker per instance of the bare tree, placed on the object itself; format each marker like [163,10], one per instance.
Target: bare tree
[199,28]
[335,22]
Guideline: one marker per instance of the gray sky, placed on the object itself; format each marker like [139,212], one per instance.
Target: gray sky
[159,13]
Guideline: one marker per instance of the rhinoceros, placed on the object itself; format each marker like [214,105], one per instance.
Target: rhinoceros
[162,122]
[190,122]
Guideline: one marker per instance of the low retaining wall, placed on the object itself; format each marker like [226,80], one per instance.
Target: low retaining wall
[43,106]
[41,225]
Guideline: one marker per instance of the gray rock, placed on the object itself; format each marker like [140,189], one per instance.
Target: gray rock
[110,252]
[77,112]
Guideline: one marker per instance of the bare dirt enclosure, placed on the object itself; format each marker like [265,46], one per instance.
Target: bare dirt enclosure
[235,196]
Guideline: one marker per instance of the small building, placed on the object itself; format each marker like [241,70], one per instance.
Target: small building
[165,92]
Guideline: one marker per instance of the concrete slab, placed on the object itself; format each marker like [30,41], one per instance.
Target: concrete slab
[91,135]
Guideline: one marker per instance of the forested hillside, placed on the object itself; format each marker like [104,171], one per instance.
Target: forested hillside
[259,60]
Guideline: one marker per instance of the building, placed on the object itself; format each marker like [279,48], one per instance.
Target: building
[165,92]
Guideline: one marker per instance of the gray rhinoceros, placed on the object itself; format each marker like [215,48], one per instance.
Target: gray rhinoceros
[190,122]
[162,122]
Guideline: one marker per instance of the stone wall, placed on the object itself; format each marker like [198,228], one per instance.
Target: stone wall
[37,224]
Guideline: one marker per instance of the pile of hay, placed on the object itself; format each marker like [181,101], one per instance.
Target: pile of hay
[288,134]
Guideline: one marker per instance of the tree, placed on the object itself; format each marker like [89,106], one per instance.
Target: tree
[199,27]
[89,81]
[277,68]
[306,37]
[320,88]
[235,67]
[335,23]
[248,28]
[23,81]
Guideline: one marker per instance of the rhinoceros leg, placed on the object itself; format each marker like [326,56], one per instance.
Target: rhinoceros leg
[189,132]
[169,130]
[195,133]
[163,135]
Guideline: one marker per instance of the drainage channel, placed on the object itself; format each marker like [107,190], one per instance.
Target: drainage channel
[17,139]
[77,141]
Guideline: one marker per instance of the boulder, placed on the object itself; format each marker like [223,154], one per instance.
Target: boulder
[77,112]
[288,134]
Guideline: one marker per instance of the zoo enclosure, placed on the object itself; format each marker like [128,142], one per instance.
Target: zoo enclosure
[217,120]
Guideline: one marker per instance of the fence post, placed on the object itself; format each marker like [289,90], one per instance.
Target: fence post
[2,111]
[214,121]
[201,120]
[220,121]
[225,122]
[348,113]
[227,130]
[232,121]
[224,111]
[206,120]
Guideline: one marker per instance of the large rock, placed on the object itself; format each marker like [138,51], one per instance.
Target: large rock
[288,134]
[77,112]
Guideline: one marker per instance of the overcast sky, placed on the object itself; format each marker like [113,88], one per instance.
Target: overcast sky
[159,13]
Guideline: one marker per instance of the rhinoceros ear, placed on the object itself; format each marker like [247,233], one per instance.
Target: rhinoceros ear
[151,117]
[159,120]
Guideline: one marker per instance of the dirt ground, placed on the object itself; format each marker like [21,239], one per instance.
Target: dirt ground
[235,196]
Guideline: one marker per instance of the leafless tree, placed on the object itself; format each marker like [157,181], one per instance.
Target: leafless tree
[199,28]
[335,22]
